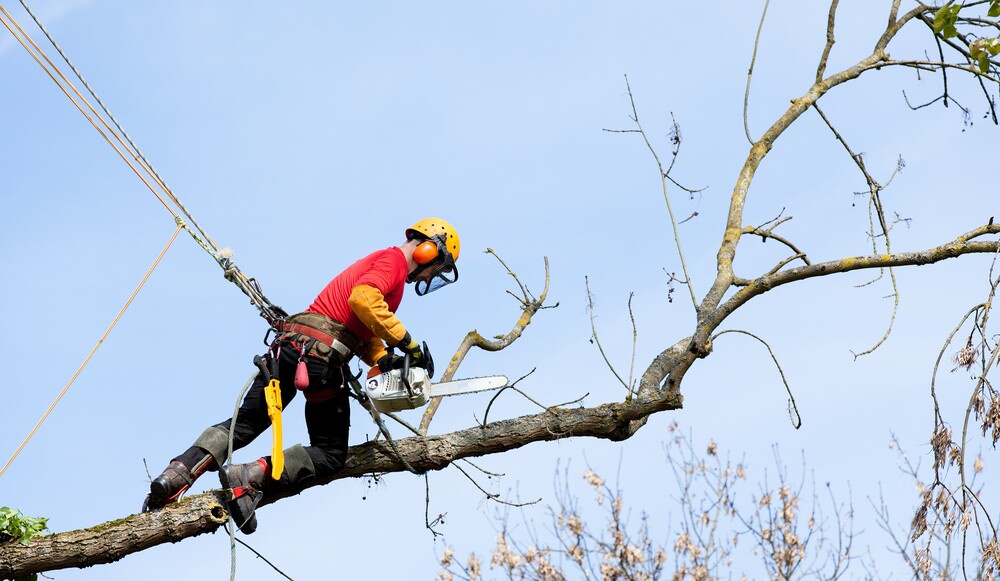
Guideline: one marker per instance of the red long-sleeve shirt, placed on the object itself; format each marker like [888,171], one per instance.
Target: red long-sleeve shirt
[385,270]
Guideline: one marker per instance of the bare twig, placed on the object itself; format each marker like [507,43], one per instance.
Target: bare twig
[635,341]
[693,215]
[529,306]
[769,233]
[937,407]
[513,387]
[793,408]
[503,389]
[402,422]
[428,523]
[753,59]
[875,203]
[990,100]
[263,558]
[666,196]
[483,470]
[934,66]
[884,523]
[494,496]
[595,339]
[821,69]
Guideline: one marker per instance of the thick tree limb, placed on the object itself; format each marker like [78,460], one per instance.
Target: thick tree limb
[205,513]
[109,542]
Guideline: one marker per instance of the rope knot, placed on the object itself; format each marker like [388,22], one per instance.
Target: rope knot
[224,258]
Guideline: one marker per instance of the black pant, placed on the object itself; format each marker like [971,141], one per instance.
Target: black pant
[328,411]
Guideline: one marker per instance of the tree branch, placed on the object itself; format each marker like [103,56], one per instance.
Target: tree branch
[529,306]
[206,512]
[831,19]
[753,59]
[109,542]
[960,246]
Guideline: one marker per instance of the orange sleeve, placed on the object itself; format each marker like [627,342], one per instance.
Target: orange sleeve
[369,305]
[372,351]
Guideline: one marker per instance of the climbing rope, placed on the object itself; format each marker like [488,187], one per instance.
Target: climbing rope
[138,153]
[94,350]
[126,149]
[138,164]
[229,458]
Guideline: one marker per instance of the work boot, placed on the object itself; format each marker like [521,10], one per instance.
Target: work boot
[247,483]
[174,481]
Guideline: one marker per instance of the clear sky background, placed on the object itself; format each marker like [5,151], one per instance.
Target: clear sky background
[306,135]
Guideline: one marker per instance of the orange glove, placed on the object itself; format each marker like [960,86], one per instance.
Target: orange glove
[369,305]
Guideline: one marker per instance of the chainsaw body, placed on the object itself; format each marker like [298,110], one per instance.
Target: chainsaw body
[410,387]
[389,393]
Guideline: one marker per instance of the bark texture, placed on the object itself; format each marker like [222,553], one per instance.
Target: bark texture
[109,542]
[205,513]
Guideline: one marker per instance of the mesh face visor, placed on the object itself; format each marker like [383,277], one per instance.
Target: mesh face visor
[442,275]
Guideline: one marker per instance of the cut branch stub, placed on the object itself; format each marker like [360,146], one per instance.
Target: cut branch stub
[529,306]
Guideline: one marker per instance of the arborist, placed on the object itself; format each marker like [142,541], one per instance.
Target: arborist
[354,315]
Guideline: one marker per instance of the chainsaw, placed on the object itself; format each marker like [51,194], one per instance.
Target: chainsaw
[410,387]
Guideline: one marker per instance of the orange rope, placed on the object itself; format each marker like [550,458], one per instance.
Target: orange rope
[92,351]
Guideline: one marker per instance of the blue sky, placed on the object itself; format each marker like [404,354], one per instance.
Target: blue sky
[306,137]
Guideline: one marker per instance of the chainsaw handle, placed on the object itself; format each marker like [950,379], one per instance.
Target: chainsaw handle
[428,364]
[428,360]
[405,377]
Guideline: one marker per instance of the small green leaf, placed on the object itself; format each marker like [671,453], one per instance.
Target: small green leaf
[976,49]
[15,526]
[940,19]
[945,19]
[994,9]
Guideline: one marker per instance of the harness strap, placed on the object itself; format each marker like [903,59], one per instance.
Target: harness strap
[334,338]
[339,346]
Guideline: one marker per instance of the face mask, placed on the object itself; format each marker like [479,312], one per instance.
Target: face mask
[444,275]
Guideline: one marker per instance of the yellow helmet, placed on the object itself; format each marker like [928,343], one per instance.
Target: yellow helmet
[432,227]
[436,254]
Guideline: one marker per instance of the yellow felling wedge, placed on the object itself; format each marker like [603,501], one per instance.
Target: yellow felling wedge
[272,394]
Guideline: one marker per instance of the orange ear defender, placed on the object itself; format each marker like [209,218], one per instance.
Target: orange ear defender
[425,252]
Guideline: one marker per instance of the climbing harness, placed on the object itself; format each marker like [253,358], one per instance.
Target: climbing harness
[331,339]
[311,334]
